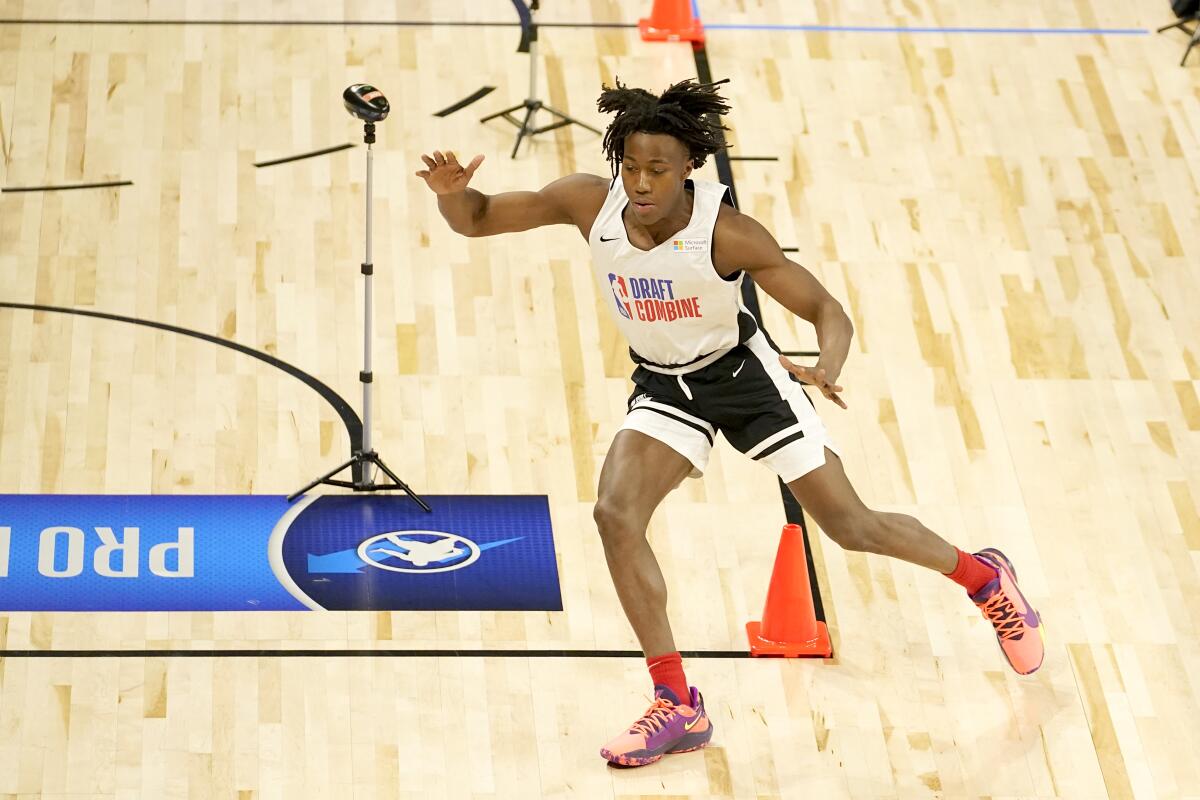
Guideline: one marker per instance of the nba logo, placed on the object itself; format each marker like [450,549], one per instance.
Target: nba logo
[620,294]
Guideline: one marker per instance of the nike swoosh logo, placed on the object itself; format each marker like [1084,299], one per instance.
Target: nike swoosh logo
[739,369]
[687,726]
[1009,587]
[613,239]
[1020,604]
[1027,613]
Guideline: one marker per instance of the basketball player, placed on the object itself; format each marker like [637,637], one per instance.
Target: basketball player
[670,255]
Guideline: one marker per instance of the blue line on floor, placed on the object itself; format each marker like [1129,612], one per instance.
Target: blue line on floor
[900,29]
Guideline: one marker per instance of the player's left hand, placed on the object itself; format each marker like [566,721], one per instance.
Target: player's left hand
[815,376]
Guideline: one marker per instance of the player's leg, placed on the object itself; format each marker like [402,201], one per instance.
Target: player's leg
[639,471]
[826,494]
[830,499]
[785,433]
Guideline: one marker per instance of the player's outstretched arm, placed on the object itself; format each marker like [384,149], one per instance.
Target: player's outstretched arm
[568,200]
[741,242]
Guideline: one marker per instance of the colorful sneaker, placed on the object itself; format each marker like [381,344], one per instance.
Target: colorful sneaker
[668,726]
[1018,625]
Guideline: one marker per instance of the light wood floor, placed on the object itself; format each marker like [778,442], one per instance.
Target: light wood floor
[1012,221]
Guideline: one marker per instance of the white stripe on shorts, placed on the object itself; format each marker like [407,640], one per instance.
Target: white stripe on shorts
[773,438]
[798,458]
[672,411]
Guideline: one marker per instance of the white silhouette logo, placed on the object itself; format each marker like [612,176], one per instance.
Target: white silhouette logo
[418,551]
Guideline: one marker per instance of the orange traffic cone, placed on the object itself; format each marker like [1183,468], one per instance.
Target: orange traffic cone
[789,624]
[671,21]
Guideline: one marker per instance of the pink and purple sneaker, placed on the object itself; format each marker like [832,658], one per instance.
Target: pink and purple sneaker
[1018,625]
[668,726]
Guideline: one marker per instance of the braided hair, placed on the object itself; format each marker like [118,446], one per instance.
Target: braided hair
[688,110]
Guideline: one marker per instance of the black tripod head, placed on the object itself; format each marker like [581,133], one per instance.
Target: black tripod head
[366,102]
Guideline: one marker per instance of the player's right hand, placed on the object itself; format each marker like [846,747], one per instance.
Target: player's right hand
[445,175]
[815,376]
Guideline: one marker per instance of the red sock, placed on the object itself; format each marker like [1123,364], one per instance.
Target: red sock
[971,573]
[667,670]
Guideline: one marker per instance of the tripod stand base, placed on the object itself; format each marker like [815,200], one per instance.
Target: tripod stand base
[1181,23]
[525,125]
[359,462]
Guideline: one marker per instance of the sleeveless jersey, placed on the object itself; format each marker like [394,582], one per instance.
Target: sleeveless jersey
[677,313]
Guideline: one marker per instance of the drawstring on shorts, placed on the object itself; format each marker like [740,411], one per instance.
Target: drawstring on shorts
[682,385]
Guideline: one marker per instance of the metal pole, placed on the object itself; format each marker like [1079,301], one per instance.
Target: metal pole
[533,55]
[533,48]
[367,270]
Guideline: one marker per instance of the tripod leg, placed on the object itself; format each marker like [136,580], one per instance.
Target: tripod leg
[490,117]
[359,473]
[353,462]
[553,126]
[1191,44]
[566,120]
[525,128]
[402,485]
[1176,24]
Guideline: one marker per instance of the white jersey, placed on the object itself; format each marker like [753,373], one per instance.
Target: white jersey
[677,313]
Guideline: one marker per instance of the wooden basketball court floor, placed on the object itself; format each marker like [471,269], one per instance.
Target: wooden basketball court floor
[1012,221]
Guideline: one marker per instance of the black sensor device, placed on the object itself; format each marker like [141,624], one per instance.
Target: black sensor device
[366,102]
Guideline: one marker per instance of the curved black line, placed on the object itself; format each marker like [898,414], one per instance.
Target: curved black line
[349,416]
[528,31]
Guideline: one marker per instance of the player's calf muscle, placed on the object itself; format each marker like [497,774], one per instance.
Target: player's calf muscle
[862,531]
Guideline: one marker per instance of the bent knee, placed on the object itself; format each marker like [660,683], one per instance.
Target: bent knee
[615,521]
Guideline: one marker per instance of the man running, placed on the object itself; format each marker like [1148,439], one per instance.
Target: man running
[669,253]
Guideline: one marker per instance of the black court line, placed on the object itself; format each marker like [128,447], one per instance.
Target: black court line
[791,509]
[478,94]
[754,158]
[799,352]
[793,513]
[395,23]
[321,152]
[408,23]
[348,416]
[64,187]
[438,653]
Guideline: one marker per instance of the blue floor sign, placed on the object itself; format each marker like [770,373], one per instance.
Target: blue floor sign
[260,553]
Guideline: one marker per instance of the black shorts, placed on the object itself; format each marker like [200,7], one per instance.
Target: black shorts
[745,395]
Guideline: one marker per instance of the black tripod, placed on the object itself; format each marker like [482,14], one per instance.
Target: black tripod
[1181,23]
[368,104]
[526,126]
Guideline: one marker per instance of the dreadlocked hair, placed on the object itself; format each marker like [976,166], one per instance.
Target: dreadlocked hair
[688,110]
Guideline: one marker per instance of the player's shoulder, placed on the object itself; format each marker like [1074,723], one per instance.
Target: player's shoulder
[590,181]
[583,184]
[581,194]
[733,225]
[739,239]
